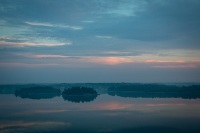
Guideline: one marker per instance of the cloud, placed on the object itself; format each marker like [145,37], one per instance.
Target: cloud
[54,25]
[87,21]
[71,61]
[174,64]
[108,60]
[165,61]
[118,53]
[39,24]
[122,11]
[127,8]
[154,61]
[17,64]
[151,21]
[49,56]
[104,37]
[72,27]
[5,44]
[39,56]
[5,38]
[105,33]
[8,42]
[104,60]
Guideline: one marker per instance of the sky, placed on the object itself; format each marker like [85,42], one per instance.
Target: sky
[72,41]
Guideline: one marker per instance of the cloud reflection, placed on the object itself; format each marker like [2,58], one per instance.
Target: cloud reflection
[33,126]
[112,106]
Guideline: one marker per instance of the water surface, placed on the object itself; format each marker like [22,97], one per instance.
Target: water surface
[102,114]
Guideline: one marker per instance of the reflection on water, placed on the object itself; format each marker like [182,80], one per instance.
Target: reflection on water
[103,113]
[79,98]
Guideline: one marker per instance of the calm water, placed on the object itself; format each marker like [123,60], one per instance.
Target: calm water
[104,113]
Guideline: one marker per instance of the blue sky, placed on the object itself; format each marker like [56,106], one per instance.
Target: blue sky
[48,41]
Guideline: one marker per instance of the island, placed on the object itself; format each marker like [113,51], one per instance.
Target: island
[38,92]
[79,94]
[155,91]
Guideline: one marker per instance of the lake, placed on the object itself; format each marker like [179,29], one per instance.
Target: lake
[103,113]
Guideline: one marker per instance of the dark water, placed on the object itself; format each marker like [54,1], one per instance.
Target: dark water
[99,114]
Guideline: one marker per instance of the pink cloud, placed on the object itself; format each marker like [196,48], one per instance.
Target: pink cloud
[83,59]
[108,60]
[64,61]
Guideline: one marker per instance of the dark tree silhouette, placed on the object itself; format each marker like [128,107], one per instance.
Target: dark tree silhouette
[155,90]
[79,94]
[39,92]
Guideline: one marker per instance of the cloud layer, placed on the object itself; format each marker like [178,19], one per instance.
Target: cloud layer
[126,35]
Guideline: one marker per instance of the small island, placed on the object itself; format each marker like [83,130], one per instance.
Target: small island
[155,91]
[38,92]
[79,94]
